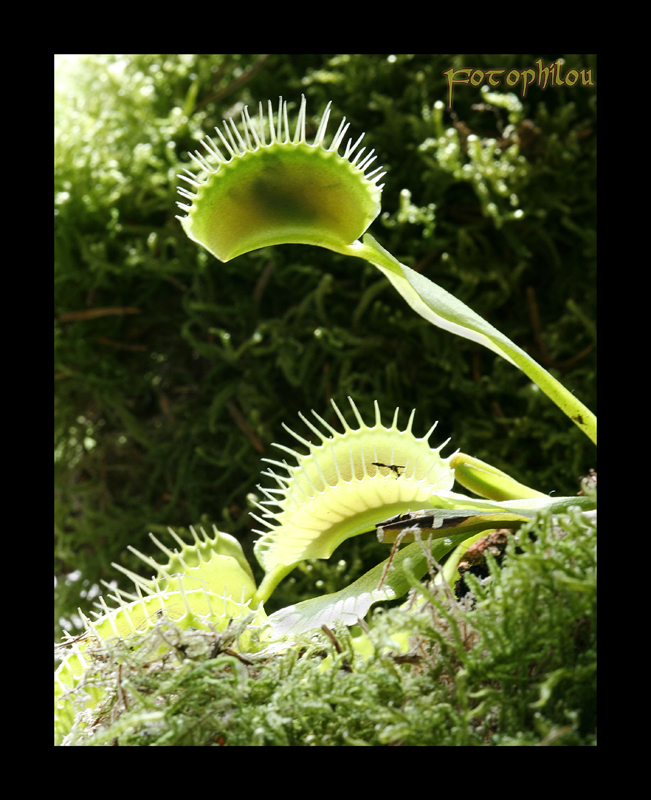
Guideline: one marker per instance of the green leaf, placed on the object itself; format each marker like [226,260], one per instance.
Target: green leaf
[445,311]
[352,603]
[488,481]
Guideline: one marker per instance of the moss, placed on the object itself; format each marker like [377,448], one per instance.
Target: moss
[513,664]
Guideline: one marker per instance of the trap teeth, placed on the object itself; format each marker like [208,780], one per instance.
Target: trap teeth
[262,187]
[344,485]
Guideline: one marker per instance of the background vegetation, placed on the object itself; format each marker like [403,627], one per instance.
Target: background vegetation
[174,371]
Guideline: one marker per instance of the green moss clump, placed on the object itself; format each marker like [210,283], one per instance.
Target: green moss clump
[513,665]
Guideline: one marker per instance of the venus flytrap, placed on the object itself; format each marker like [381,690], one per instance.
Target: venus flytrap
[289,191]
[339,489]
[272,189]
[253,191]
[281,191]
[203,585]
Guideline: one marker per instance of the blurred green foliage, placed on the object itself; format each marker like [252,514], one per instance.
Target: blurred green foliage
[174,371]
